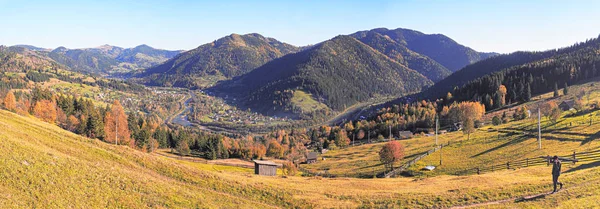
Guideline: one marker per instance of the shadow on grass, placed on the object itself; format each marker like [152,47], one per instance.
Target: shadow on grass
[514,141]
[584,166]
[591,138]
[531,198]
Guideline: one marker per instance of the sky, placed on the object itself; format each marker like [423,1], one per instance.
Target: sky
[485,25]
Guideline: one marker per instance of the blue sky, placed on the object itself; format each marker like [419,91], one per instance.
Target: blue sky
[500,26]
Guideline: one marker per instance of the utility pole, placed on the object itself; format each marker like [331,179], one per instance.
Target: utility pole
[436,130]
[539,129]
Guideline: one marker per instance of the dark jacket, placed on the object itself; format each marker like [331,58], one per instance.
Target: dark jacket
[556,165]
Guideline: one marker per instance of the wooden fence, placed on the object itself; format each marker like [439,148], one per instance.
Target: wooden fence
[527,162]
[399,170]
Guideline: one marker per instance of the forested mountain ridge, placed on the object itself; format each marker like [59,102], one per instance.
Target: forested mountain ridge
[108,59]
[400,53]
[224,58]
[566,66]
[339,72]
[494,64]
[438,47]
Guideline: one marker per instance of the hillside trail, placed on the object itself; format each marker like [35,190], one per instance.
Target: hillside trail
[510,200]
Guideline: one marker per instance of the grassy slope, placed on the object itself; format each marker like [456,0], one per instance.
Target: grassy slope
[45,166]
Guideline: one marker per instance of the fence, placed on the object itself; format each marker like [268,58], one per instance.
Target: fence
[527,162]
[399,170]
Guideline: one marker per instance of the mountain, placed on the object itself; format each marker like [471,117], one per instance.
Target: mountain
[399,52]
[22,59]
[227,57]
[32,48]
[108,59]
[437,47]
[338,73]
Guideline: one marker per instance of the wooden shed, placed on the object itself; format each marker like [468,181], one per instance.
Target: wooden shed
[311,158]
[265,168]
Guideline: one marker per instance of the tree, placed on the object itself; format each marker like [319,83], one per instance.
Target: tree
[468,127]
[528,93]
[547,108]
[566,89]
[275,149]
[10,103]
[116,126]
[502,94]
[183,148]
[341,140]
[496,120]
[555,114]
[45,110]
[578,105]
[390,153]
[555,90]
[289,168]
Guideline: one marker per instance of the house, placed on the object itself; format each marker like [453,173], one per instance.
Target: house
[405,134]
[311,157]
[567,105]
[455,127]
[265,168]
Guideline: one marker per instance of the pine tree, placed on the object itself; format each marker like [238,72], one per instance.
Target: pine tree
[528,93]
[566,89]
[556,90]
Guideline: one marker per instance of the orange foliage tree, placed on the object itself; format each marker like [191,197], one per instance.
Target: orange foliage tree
[45,110]
[10,103]
[502,92]
[390,153]
[116,127]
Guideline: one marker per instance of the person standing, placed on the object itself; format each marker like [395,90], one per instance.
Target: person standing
[556,166]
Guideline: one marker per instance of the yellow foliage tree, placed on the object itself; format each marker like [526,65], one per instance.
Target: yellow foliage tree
[10,103]
[116,127]
[45,110]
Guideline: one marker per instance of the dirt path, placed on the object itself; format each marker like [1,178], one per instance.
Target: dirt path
[515,199]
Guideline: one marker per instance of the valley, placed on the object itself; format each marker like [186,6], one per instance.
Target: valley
[369,118]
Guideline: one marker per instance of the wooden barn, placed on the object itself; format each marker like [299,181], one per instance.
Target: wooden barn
[311,158]
[265,168]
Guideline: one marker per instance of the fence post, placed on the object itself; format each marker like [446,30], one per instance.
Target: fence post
[548,160]
[507,165]
[527,163]
[574,157]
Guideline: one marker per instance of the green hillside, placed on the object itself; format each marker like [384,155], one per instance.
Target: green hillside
[401,54]
[227,57]
[339,73]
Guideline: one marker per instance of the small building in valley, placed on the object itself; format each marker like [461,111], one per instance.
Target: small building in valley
[265,168]
[405,134]
[567,105]
[311,157]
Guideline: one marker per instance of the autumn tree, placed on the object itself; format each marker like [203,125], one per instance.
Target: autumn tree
[468,127]
[391,153]
[341,139]
[289,169]
[10,103]
[183,148]
[275,149]
[116,126]
[45,110]
[547,108]
[502,95]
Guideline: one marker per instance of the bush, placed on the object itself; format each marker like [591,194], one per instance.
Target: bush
[496,120]
[289,169]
